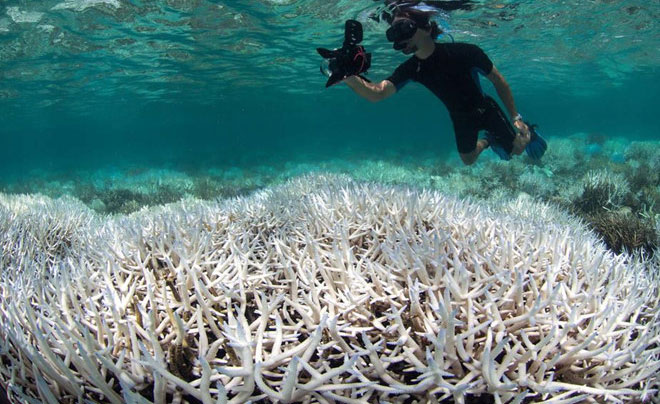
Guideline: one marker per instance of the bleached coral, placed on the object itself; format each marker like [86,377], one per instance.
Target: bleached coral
[564,157]
[388,173]
[37,231]
[646,152]
[326,290]
[537,182]
[152,180]
[459,184]
[599,190]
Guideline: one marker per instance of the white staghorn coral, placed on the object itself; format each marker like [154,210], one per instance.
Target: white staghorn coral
[324,290]
[39,231]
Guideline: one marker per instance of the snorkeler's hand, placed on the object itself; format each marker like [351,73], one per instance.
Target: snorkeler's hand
[344,62]
[521,127]
[522,137]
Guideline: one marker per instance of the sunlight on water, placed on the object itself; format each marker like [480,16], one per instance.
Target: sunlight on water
[111,80]
[201,50]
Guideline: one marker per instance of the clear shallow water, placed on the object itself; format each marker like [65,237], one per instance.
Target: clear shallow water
[125,104]
[92,83]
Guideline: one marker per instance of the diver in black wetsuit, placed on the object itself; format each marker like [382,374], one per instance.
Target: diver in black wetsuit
[450,71]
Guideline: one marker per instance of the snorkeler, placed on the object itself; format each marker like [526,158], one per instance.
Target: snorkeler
[449,70]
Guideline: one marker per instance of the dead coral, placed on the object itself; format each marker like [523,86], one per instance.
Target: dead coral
[323,290]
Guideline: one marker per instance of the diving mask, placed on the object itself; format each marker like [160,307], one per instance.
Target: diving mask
[401,31]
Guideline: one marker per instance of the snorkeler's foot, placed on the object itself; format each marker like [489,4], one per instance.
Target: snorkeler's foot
[482,144]
[497,148]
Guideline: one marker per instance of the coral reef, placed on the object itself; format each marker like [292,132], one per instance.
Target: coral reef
[621,175]
[40,232]
[604,200]
[599,190]
[387,173]
[625,232]
[535,182]
[322,290]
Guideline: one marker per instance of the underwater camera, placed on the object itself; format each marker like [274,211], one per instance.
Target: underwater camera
[349,60]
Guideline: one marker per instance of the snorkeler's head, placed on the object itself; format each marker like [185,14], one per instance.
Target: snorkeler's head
[402,29]
[405,19]
[403,33]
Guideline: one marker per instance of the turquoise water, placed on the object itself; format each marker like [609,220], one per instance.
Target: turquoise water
[147,102]
[97,83]
[111,109]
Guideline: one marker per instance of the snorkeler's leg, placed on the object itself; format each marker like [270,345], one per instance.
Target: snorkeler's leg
[467,142]
[471,157]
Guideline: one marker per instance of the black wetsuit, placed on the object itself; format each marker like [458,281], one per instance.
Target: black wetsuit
[451,73]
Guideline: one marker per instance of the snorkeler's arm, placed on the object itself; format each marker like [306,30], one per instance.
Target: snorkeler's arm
[371,91]
[504,91]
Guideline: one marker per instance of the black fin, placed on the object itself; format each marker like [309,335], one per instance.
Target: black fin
[537,145]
